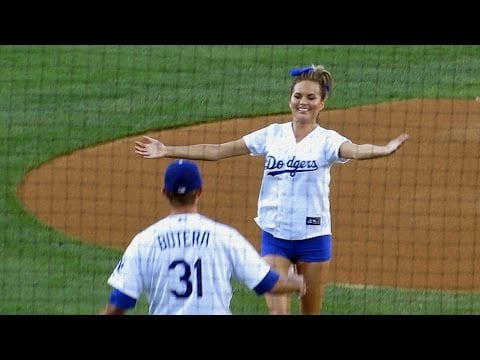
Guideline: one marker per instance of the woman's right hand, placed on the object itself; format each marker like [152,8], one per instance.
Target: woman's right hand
[150,148]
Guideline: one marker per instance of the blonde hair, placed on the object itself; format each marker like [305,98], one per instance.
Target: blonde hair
[318,74]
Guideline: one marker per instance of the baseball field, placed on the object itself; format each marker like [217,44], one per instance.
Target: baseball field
[74,193]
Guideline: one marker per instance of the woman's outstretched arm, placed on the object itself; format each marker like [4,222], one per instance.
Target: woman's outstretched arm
[151,148]
[369,151]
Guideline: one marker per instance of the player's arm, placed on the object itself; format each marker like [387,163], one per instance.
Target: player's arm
[276,283]
[111,309]
[151,148]
[118,303]
[349,150]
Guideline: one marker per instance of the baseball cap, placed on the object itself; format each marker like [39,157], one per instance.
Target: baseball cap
[182,176]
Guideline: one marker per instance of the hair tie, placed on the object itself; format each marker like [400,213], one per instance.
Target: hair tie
[300,71]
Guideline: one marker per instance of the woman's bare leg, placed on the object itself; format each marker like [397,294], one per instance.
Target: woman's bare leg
[316,277]
[278,304]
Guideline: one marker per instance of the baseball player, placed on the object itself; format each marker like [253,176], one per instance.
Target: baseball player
[293,206]
[185,261]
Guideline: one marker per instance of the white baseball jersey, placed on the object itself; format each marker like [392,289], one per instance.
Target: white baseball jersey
[294,196]
[184,264]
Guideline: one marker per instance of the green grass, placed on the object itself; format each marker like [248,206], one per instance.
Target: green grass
[57,99]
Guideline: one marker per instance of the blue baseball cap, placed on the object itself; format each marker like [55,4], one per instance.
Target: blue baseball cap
[182,176]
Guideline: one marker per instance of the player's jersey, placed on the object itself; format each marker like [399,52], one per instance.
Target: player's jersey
[294,197]
[184,264]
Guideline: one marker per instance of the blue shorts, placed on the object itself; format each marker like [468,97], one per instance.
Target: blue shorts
[317,249]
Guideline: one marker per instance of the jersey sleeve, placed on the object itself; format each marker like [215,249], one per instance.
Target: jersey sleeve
[248,266]
[256,141]
[332,148]
[267,283]
[126,276]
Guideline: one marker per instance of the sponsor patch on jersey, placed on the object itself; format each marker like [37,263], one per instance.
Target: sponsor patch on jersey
[313,220]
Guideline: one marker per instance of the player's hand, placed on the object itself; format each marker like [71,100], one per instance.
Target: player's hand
[303,286]
[394,144]
[298,280]
[150,148]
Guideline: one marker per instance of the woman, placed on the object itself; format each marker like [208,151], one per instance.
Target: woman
[293,206]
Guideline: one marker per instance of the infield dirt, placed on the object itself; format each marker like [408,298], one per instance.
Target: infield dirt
[409,220]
